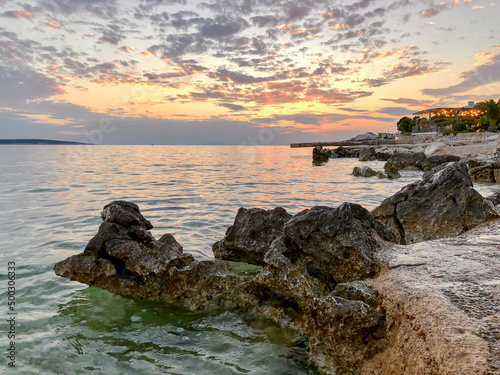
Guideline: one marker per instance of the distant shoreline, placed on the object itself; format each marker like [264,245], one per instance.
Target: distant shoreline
[38,142]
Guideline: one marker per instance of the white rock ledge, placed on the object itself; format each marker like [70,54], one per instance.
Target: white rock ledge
[442,300]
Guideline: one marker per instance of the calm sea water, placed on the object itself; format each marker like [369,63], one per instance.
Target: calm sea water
[50,200]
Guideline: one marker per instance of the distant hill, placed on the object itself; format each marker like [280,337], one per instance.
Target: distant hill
[37,142]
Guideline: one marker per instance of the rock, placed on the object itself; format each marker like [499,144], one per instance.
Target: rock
[357,291]
[443,205]
[124,258]
[126,214]
[367,154]
[496,155]
[434,171]
[488,172]
[473,163]
[251,235]
[432,149]
[347,152]
[321,154]
[441,302]
[333,244]
[416,149]
[392,174]
[401,160]
[338,330]
[383,153]
[494,198]
[433,161]
[363,171]
[366,171]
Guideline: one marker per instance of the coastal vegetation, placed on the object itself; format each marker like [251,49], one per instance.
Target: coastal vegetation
[492,111]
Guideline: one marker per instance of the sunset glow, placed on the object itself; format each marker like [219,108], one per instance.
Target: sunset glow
[304,69]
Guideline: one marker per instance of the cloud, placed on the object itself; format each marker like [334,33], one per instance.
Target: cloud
[395,111]
[410,102]
[17,14]
[102,9]
[22,84]
[232,107]
[399,71]
[222,27]
[479,76]
[111,37]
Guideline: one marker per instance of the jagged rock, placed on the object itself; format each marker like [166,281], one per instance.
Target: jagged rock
[125,258]
[251,235]
[321,154]
[367,154]
[442,205]
[338,330]
[434,161]
[489,172]
[366,171]
[403,160]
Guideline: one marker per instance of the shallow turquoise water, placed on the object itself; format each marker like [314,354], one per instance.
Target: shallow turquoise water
[50,200]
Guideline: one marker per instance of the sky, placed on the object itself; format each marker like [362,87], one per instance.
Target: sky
[238,72]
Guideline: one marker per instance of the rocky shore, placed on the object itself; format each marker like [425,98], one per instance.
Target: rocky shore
[392,291]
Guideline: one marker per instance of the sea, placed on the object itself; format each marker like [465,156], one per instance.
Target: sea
[50,201]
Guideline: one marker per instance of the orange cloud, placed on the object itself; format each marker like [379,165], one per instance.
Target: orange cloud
[339,27]
[127,48]
[18,14]
[52,24]
[484,58]
[147,54]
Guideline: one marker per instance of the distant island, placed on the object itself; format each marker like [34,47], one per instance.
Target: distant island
[38,142]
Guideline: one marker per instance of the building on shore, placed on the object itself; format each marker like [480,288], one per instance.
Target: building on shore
[453,114]
[364,136]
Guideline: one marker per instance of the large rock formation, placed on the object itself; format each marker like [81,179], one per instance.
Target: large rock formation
[442,205]
[306,257]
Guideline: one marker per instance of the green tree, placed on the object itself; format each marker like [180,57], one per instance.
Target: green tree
[491,109]
[405,124]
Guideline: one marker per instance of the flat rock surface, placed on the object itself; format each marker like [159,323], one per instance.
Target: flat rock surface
[442,299]
[478,149]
